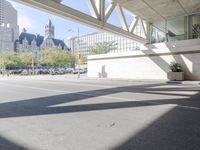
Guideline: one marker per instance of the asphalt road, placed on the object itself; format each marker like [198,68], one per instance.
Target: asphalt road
[60,113]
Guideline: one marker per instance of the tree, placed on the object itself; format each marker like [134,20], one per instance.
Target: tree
[71,59]
[83,60]
[9,59]
[54,57]
[103,47]
[2,64]
[27,58]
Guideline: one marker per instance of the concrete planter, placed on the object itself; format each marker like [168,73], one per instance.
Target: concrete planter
[175,76]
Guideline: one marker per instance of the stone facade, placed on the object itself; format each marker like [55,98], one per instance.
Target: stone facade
[32,42]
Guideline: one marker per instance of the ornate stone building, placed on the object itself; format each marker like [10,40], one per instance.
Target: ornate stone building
[32,42]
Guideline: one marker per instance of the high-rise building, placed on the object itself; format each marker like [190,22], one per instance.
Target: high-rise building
[85,42]
[8,15]
[9,29]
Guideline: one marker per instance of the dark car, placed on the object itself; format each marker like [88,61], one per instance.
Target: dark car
[16,71]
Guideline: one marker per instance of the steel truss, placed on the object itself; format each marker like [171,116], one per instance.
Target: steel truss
[98,19]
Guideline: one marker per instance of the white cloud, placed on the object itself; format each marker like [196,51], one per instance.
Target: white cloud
[26,22]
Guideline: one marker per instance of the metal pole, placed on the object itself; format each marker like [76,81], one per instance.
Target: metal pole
[33,67]
[78,51]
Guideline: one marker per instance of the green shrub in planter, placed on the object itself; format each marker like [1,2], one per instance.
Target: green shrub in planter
[176,73]
[175,67]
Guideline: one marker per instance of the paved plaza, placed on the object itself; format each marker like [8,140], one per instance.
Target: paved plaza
[66,113]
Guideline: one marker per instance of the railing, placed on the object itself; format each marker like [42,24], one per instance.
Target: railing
[177,37]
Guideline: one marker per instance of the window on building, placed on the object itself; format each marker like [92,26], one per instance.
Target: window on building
[177,28]
[195,26]
[157,35]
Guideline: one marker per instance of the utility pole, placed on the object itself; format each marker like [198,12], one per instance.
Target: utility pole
[78,51]
[33,68]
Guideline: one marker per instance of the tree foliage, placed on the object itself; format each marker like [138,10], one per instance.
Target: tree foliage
[71,59]
[83,60]
[9,59]
[56,58]
[103,47]
[27,58]
[51,57]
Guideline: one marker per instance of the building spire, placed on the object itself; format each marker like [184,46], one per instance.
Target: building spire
[49,23]
[49,30]
[24,30]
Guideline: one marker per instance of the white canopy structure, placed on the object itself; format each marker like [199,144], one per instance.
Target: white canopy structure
[98,18]
[149,10]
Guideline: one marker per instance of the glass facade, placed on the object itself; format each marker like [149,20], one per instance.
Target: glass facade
[87,41]
[175,28]
[171,29]
[156,35]
[195,26]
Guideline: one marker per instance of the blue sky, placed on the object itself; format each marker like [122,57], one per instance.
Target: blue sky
[34,20]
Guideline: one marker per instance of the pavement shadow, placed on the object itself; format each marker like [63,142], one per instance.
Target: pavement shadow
[178,129]
[6,144]
[42,106]
[46,105]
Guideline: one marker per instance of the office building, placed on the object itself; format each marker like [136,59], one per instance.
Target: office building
[87,41]
[9,29]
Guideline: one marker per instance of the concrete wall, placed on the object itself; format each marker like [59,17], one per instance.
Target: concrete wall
[150,63]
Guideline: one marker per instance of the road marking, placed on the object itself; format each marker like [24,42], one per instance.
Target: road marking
[65,92]
[69,83]
[35,88]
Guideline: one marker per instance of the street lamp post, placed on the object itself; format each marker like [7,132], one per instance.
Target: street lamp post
[78,50]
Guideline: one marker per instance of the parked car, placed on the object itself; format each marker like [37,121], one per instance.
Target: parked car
[81,71]
[42,71]
[75,71]
[16,71]
[69,70]
[24,72]
[57,71]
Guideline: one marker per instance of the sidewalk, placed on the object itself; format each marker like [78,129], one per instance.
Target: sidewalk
[84,78]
